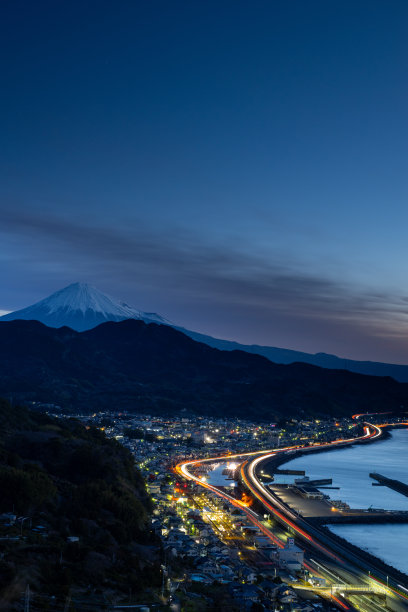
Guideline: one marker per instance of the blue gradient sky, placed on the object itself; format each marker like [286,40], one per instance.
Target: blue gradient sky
[239,167]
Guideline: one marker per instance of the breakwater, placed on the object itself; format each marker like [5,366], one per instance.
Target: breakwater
[350,469]
[396,485]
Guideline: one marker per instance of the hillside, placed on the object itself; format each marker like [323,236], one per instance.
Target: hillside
[154,368]
[322,360]
[68,482]
[82,307]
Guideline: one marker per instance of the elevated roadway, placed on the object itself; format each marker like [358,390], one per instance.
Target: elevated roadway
[333,554]
[311,538]
[314,539]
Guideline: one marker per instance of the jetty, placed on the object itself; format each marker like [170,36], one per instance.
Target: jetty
[396,485]
[290,472]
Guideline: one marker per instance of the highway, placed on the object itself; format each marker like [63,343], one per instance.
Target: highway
[344,566]
[312,537]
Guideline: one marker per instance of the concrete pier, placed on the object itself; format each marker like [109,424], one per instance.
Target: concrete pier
[396,485]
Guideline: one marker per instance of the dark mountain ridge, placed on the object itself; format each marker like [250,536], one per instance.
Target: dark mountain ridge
[82,307]
[142,367]
[323,360]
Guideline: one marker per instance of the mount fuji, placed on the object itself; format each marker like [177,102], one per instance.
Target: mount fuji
[81,307]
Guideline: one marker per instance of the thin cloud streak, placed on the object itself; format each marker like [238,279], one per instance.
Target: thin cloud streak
[264,299]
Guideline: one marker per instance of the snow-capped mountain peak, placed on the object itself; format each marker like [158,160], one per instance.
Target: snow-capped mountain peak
[83,297]
[81,306]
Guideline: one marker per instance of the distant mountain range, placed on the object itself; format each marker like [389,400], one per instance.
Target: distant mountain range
[154,368]
[82,307]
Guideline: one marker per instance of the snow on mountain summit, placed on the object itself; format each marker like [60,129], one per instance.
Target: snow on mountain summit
[81,307]
[83,297]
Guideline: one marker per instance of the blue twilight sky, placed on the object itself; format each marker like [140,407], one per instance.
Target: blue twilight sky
[239,167]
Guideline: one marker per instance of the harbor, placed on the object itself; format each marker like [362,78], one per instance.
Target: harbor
[372,510]
[311,503]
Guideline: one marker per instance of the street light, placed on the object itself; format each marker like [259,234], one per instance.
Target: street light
[22,521]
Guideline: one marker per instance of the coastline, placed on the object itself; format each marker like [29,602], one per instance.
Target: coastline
[322,524]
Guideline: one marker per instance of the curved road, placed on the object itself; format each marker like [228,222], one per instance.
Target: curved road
[323,546]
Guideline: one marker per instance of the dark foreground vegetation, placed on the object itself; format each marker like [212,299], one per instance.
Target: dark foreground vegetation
[85,533]
[156,369]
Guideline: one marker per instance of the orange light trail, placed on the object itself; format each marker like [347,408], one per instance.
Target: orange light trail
[280,515]
[370,432]
[384,584]
[235,502]
[357,416]
[271,508]
[341,603]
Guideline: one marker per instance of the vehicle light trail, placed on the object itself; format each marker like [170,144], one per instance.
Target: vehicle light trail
[272,504]
[182,470]
[371,432]
[267,500]
[341,603]
[357,416]
[261,493]
[390,588]
[251,468]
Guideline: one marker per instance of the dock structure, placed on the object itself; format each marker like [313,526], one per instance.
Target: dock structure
[306,482]
[396,485]
[290,472]
[314,506]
